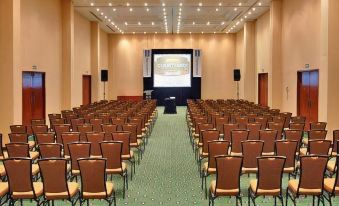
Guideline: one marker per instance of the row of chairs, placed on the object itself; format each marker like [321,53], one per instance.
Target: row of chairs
[255,141]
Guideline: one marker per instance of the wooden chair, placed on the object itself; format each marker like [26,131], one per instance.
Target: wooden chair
[253,129]
[228,129]
[109,129]
[59,129]
[95,138]
[288,149]
[238,136]
[251,149]
[269,137]
[69,137]
[78,150]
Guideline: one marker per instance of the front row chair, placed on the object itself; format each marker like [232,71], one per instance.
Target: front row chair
[93,181]
[311,182]
[269,179]
[54,178]
[20,182]
[227,181]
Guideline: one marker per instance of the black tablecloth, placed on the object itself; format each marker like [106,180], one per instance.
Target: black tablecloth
[170,106]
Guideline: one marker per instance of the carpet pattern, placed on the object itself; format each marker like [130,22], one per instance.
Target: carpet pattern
[168,174]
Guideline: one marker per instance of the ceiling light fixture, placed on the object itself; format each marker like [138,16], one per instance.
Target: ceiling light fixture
[200,4]
[126,23]
[109,4]
[220,4]
[92,4]
[131,9]
[114,9]
[139,23]
[198,9]
[147,9]
[216,9]
[180,4]
[98,9]
[259,4]
[127,4]
[240,4]
[235,9]
[163,4]
[146,4]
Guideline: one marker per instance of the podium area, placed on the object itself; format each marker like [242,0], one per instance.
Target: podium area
[170,106]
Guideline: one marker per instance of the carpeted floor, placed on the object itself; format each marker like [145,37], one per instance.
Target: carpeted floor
[168,173]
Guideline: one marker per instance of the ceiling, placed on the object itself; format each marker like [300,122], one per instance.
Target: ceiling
[171,16]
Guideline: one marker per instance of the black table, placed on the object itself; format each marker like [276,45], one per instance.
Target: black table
[170,106]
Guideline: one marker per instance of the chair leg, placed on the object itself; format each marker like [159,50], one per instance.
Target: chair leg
[87,202]
[249,197]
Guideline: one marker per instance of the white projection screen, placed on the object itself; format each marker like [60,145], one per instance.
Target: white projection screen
[172,70]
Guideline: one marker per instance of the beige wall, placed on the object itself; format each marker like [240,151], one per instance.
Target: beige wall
[103,61]
[262,43]
[82,55]
[41,46]
[218,61]
[240,58]
[301,44]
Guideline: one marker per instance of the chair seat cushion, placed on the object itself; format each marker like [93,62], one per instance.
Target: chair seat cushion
[99,195]
[31,144]
[2,170]
[208,170]
[222,192]
[303,151]
[270,192]
[34,155]
[37,187]
[117,170]
[331,166]
[127,157]
[73,189]
[329,185]
[293,187]
[289,169]
[249,170]
[35,169]
[3,189]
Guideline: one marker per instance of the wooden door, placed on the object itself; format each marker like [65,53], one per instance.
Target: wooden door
[33,96]
[86,89]
[308,95]
[263,89]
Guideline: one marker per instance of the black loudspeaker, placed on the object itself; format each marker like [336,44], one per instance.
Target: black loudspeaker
[236,75]
[104,75]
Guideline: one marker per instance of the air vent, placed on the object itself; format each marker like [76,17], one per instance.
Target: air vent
[110,28]
[100,20]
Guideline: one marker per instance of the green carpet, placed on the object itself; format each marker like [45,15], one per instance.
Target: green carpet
[168,173]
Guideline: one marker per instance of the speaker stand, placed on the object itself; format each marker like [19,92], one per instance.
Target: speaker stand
[104,90]
[237,90]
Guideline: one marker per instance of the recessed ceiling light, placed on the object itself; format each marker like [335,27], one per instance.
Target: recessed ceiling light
[146,4]
[238,23]
[109,4]
[214,32]
[130,9]
[202,32]
[165,13]
[114,9]
[180,4]
[240,4]
[193,23]
[235,9]
[98,9]
[208,23]
[200,4]
[139,23]
[147,9]
[249,13]
[198,9]
[190,32]
[133,32]
[127,4]
[92,4]
[163,4]
[102,13]
[152,23]
[144,32]
[179,13]
[109,19]
[216,9]
[259,4]
[220,4]
[105,17]
[253,9]
[179,9]
[245,17]
[126,23]
[241,19]
[222,23]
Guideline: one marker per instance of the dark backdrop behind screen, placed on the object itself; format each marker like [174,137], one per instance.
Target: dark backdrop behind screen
[180,93]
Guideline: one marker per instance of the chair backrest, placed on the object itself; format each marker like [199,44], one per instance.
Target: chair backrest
[228,129]
[132,128]
[251,149]
[297,126]
[18,172]
[288,149]
[298,119]
[18,137]
[69,137]
[95,138]
[54,116]
[238,136]
[76,122]
[208,136]
[39,129]
[112,151]
[269,137]
[96,124]
[253,129]
[17,150]
[216,148]
[109,129]
[18,129]
[93,178]
[119,122]
[42,138]
[317,134]
[228,172]
[54,175]
[270,173]
[319,147]
[335,140]
[83,129]
[318,125]
[287,116]
[242,121]
[59,129]
[123,137]
[38,122]
[50,150]
[78,150]
[139,122]
[219,122]
[57,121]
[262,120]
[277,126]
[312,170]
[295,135]
[203,127]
